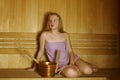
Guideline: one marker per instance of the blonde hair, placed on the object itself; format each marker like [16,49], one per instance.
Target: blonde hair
[60,27]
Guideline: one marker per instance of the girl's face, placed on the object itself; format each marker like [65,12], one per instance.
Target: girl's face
[53,22]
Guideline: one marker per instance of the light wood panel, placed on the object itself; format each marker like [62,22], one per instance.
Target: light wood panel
[100,49]
[79,16]
[88,21]
[80,42]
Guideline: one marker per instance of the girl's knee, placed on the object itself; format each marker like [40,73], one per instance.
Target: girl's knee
[71,72]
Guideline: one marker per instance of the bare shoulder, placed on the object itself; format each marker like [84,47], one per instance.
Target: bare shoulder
[44,34]
[66,35]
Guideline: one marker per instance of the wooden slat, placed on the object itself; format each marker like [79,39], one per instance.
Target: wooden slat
[15,50]
[93,36]
[80,42]
[93,51]
[18,40]
[94,48]
[94,41]
[18,35]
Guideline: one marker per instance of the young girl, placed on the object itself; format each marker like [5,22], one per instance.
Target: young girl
[54,38]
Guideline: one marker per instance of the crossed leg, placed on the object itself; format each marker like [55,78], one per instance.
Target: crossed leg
[85,67]
[80,67]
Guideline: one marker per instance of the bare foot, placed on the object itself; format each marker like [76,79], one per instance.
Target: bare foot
[95,68]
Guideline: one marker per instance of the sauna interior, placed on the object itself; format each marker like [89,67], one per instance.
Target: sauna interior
[93,26]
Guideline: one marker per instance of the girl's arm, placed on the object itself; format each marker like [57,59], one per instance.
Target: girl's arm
[40,52]
[42,44]
[70,49]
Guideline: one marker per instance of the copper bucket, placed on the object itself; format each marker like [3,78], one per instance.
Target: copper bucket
[47,69]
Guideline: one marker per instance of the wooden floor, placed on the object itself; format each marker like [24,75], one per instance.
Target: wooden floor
[22,74]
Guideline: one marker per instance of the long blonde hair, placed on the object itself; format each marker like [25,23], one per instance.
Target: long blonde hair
[60,27]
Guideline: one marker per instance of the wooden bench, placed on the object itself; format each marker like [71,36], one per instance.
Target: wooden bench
[95,48]
[22,74]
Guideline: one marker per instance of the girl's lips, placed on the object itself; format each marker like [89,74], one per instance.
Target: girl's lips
[52,25]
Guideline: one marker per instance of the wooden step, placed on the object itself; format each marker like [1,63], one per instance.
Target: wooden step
[22,74]
[101,78]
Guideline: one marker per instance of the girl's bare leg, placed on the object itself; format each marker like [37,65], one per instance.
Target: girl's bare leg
[71,71]
[94,67]
[85,67]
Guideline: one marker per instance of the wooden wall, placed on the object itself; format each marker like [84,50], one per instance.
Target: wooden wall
[79,16]
[92,24]
[99,49]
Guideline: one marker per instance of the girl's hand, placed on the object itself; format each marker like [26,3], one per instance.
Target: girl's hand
[30,69]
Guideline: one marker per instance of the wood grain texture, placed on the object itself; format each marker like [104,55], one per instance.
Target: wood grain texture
[99,49]
[79,16]
[92,24]
[22,74]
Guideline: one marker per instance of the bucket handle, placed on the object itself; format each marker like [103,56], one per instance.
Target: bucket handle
[58,58]
[34,59]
